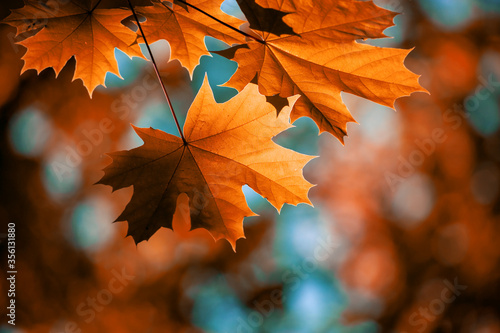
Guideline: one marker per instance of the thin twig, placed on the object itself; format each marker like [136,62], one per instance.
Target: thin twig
[222,22]
[157,73]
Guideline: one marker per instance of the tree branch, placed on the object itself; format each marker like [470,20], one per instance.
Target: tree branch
[157,73]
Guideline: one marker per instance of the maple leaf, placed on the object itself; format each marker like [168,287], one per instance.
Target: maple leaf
[228,145]
[73,28]
[324,59]
[264,19]
[185,27]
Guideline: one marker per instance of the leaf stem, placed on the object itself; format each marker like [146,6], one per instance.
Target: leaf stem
[158,73]
[222,22]
[97,4]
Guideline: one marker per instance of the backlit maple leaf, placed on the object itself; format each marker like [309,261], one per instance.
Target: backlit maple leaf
[228,145]
[74,28]
[324,60]
[185,28]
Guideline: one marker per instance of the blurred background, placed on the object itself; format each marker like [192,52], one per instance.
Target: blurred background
[402,238]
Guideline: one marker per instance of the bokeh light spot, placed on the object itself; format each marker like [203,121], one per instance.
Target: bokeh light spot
[451,14]
[484,114]
[29,132]
[90,224]
[59,178]
[414,200]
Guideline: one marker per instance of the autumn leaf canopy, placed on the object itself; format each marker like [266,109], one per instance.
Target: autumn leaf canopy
[301,54]
[303,47]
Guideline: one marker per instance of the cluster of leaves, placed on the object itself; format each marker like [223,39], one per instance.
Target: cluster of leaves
[287,48]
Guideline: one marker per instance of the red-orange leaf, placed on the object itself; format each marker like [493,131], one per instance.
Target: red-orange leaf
[185,28]
[74,28]
[228,145]
[324,59]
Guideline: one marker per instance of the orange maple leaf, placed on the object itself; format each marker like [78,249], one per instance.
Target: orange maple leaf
[70,28]
[228,145]
[185,28]
[324,59]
